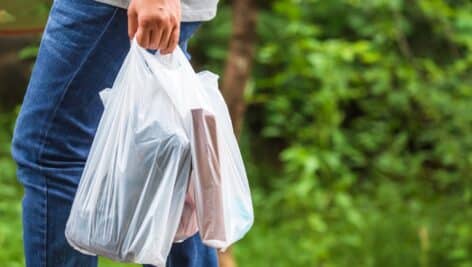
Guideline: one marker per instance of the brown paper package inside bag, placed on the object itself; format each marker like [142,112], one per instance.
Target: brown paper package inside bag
[188,222]
[211,217]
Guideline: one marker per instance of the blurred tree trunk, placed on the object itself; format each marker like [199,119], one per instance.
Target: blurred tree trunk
[237,73]
[240,56]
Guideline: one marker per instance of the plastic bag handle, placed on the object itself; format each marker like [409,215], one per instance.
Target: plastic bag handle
[170,61]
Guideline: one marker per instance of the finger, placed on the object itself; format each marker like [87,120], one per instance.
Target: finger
[156,38]
[150,34]
[142,37]
[132,23]
[173,41]
[166,35]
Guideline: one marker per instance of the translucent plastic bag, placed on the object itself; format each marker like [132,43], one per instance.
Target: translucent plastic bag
[131,194]
[221,193]
[222,196]
[161,122]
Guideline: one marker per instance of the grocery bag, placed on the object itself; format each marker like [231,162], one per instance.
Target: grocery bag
[222,197]
[132,191]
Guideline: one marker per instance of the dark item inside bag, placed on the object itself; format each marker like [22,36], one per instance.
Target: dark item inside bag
[211,217]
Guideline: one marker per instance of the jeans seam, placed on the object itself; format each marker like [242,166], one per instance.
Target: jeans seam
[50,119]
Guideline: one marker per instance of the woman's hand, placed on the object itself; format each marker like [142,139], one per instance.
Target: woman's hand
[155,23]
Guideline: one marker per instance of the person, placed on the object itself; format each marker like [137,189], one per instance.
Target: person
[81,51]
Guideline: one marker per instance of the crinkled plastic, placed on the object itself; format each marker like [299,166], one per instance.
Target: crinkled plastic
[221,195]
[164,164]
[132,190]
[218,230]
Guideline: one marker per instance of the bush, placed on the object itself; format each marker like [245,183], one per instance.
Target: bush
[369,102]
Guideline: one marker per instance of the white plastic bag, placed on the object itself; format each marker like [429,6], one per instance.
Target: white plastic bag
[221,231]
[131,196]
[132,190]
[221,192]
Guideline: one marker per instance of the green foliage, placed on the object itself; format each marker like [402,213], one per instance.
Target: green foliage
[6,17]
[29,52]
[23,14]
[371,101]
[10,194]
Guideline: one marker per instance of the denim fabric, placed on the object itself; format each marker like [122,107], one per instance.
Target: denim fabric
[82,49]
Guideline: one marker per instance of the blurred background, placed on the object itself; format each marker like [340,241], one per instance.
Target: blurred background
[354,117]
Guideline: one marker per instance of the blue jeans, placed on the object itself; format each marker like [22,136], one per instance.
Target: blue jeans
[81,51]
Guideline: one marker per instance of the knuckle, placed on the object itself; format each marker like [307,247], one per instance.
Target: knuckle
[173,20]
[166,25]
[146,20]
[161,19]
